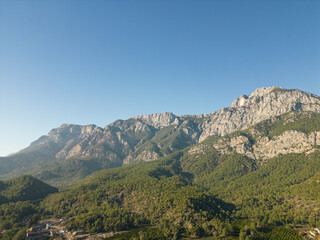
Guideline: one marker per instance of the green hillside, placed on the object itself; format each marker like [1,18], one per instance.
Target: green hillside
[196,202]
[24,188]
[18,204]
[204,194]
[186,195]
[157,193]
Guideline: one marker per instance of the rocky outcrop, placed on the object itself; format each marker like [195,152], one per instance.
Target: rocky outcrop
[239,144]
[147,155]
[159,120]
[264,147]
[262,104]
[286,143]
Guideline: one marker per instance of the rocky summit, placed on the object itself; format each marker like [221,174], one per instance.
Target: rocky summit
[149,137]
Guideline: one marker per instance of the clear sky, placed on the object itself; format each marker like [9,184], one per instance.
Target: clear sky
[95,61]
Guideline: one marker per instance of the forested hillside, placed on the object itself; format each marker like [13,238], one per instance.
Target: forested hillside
[204,193]
[24,188]
[18,204]
[195,201]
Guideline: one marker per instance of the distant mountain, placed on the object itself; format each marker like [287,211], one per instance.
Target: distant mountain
[77,151]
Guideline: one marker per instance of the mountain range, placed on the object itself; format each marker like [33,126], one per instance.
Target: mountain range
[249,171]
[74,151]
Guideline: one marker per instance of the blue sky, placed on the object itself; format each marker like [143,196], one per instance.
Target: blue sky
[95,61]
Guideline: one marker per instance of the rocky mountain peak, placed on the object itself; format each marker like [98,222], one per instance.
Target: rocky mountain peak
[262,104]
[158,120]
[255,96]
[264,91]
[63,134]
[68,131]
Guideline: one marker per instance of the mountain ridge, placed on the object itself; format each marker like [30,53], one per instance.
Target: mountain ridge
[161,120]
[149,137]
[258,182]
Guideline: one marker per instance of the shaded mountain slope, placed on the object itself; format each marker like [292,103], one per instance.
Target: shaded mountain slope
[24,188]
[156,193]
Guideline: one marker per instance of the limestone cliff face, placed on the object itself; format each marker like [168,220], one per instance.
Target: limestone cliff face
[262,104]
[148,137]
[288,142]
[158,120]
[63,134]
[290,133]
[264,148]
[113,142]
[146,155]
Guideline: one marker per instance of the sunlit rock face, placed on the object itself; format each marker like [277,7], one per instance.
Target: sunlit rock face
[262,104]
[148,137]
